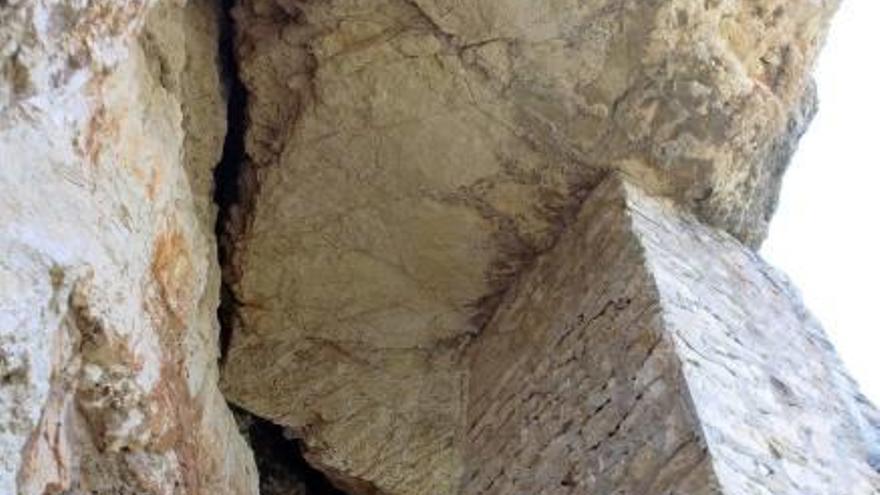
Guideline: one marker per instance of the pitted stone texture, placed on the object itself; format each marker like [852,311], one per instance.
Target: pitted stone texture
[649,354]
[108,333]
[407,160]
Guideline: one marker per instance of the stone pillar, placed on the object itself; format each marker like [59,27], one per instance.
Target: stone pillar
[649,354]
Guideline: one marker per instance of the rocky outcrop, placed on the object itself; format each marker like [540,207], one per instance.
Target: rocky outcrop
[407,160]
[647,353]
[112,118]
[466,247]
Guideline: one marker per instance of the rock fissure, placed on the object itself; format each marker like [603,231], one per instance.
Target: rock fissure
[228,175]
[460,247]
[280,459]
[283,470]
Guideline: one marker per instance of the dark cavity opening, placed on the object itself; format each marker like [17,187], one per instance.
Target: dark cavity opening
[283,469]
[228,172]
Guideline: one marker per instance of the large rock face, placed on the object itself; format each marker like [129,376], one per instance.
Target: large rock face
[649,354]
[575,386]
[495,247]
[408,158]
[109,281]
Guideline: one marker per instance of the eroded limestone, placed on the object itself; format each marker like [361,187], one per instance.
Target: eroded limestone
[574,386]
[475,247]
[408,160]
[647,353]
[108,333]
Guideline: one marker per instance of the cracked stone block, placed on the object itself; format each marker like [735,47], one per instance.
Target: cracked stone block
[650,354]
[472,249]
[408,160]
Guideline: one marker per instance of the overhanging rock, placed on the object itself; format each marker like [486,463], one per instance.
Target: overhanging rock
[645,353]
[447,270]
[407,161]
[650,354]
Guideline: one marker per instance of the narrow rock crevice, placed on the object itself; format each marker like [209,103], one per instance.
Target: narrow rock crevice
[283,470]
[236,176]
[229,172]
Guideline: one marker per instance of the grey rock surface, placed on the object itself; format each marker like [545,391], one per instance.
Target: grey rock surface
[778,410]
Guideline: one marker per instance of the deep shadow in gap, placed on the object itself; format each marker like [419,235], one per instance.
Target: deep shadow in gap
[228,172]
[283,469]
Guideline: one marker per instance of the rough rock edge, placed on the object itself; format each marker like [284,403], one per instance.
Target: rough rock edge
[281,458]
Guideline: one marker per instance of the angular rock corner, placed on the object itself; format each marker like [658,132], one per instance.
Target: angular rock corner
[648,353]
[421,247]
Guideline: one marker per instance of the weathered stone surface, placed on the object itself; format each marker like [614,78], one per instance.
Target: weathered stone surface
[479,247]
[49,49]
[111,119]
[649,354]
[778,411]
[574,386]
[407,159]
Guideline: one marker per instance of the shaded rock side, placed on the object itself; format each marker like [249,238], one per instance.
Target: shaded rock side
[408,159]
[650,354]
[109,282]
[574,386]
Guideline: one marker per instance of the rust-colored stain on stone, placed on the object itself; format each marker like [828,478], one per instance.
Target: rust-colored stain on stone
[178,419]
[100,128]
[172,268]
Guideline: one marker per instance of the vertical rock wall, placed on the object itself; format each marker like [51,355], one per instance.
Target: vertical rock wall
[648,353]
[109,281]
[574,386]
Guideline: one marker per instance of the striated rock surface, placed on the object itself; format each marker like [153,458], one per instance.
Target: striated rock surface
[408,159]
[112,118]
[647,353]
[777,409]
[574,386]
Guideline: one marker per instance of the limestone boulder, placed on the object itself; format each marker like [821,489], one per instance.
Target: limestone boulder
[650,354]
[406,160]
[112,119]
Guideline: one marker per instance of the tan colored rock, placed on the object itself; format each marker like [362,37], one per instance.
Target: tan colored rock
[574,386]
[649,354]
[407,159]
[479,247]
[109,284]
